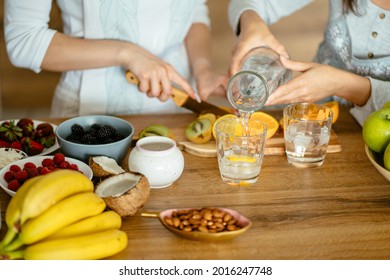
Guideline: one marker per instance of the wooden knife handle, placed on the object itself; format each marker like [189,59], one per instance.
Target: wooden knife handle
[178,96]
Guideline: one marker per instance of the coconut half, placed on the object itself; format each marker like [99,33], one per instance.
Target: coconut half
[103,166]
[124,193]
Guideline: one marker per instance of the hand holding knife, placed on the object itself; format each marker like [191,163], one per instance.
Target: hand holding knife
[182,99]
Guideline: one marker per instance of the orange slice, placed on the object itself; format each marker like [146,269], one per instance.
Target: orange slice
[270,121]
[334,106]
[242,158]
[224,117]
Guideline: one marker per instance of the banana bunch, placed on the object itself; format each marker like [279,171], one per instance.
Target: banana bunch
[58,216]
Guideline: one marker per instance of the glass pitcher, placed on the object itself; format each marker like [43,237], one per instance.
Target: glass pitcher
[261,72]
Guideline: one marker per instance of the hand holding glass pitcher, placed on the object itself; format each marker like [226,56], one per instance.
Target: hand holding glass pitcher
[261,72]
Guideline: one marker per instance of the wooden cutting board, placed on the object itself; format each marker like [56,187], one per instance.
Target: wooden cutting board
[274,146]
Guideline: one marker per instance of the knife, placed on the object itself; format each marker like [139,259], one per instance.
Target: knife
[182,99]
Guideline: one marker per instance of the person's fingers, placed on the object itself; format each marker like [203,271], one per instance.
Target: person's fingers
[166,89]
[180,81]
[155,86]
[144,85]
[295,65]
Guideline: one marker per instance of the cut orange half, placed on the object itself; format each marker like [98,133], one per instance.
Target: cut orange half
[271,123]
[224,117]
[334,106]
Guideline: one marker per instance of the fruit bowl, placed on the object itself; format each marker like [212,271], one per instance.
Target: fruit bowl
[37,161]
[82,150]
[377,161]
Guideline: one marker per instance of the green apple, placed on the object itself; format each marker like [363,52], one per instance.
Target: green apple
[376,130]
[386,158]
[386,105]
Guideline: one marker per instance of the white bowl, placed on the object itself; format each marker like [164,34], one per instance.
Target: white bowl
[373,157]
[37,160]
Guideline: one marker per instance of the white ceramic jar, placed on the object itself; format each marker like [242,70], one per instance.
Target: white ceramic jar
[159,159]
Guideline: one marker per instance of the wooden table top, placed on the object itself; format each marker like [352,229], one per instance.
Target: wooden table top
[338,211]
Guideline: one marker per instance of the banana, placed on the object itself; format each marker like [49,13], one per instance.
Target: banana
[64,213]
[101,222]
[52,188]
[14,209]
[84,247]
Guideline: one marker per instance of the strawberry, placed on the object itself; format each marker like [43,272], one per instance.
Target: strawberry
[31,147]
[27,126]
[4,144]
[10,132]
[43,129]
[47,141]
[16,145]
[13,185]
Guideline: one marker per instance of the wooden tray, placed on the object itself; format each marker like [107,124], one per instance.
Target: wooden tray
[274,146]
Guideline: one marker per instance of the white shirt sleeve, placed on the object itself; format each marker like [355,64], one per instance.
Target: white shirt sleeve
[270,11]
[202,13]
[26,31]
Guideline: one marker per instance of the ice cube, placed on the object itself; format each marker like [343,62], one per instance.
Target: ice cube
[324,136]
[302,142]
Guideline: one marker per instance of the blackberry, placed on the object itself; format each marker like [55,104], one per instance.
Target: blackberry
[96,126]
[106,131]
[74,138]
[88,139]
[77,129]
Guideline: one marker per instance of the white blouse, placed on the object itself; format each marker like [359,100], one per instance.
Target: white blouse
[159,26]
[355,43]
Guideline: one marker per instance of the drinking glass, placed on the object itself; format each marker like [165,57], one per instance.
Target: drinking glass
[240,150]
[307,129]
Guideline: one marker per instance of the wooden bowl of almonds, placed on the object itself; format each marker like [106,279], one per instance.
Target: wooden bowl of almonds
[203,224]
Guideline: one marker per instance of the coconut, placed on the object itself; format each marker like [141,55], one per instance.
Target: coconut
[103,166]
[124,193]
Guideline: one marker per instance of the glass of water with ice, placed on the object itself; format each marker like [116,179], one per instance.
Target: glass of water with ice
[240,150]
[307,129]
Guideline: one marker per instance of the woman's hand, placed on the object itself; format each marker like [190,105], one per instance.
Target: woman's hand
[254,33]
[319,81]
[211,83]
[155,76]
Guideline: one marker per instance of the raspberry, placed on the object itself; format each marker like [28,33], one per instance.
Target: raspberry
[73,166]
[64,165]
[21,176]
[47,162]
[40,168]
[15,168]
[52,168]
[58,158]
[45,170]
[9,176]
[13,185]
[32,172]
[29,165]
